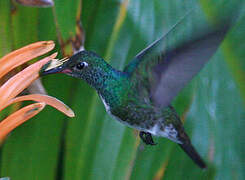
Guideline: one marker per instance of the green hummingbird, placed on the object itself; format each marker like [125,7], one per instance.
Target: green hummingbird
[140,95]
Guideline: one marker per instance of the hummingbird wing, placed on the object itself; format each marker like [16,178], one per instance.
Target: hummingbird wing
[167,65]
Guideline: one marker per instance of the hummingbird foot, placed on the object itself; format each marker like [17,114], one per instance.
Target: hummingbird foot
[147,138]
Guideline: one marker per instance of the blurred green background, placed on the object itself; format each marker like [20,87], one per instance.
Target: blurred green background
[94,146]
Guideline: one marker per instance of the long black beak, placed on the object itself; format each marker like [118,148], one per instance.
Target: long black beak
[59,69]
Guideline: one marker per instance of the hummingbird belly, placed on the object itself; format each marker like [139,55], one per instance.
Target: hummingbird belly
[107,107]
[144,119]
[169,132]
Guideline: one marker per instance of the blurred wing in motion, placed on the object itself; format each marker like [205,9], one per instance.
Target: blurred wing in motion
[167,65]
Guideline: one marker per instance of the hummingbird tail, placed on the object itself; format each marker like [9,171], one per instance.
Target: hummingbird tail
[192,153]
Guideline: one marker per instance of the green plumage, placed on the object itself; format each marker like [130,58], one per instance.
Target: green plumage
[140,96]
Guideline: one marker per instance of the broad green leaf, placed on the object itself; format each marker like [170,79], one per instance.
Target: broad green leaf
[5,28]
[37,141]
[83,141]
[66,17]
[93,145]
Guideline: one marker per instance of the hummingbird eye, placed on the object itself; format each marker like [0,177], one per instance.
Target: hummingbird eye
[81,65]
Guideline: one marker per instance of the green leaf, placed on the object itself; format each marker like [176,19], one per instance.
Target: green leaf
[5,38]
[93,145]
[37,141]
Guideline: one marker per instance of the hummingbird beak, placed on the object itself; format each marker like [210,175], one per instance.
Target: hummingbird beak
[59,69]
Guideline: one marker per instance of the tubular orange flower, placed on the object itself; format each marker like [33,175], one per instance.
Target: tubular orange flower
[18,118]
[21,56]
[23,79]
[16,84]
[43,98]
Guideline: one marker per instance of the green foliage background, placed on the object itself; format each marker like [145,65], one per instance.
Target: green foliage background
[94,146]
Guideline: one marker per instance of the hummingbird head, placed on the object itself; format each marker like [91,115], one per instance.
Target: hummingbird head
[84,65]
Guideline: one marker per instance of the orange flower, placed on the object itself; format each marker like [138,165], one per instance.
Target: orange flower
[16,84]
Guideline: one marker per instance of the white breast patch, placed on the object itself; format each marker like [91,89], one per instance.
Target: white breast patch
[107,107]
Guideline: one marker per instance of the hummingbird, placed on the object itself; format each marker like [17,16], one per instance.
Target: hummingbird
[140,95]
